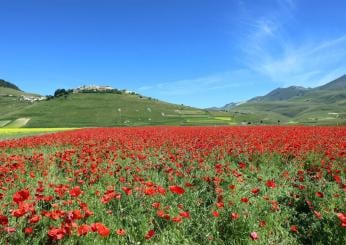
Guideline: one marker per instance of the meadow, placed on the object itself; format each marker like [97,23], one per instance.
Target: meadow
[175,185]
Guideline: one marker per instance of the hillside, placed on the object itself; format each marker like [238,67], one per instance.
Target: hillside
[11,101]
[282,94]
[339,83]
[5,84]
[110,109]
[321,105]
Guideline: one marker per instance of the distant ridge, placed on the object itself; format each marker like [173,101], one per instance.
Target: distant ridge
[281,94]
[6,84]
[339,83]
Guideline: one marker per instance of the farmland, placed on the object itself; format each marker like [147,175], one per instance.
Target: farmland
[9,133]
[175,185]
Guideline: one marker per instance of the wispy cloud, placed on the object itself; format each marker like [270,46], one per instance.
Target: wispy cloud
[270,51]
[201,85]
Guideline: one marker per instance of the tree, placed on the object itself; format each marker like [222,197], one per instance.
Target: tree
[60,92]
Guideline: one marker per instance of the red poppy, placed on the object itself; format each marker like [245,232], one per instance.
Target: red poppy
[177,219]
[56,233]
[3,220]
[21,196]
[28,230]
[235,216]
[244,199]
[75,192]
[342,218]
[156,205]
[34,219]
[127,190]
[294,228]
[270,184]
[184,214]
[262,223]
[150,191]
[216,213]
[176,189]
[318,214]
[255,191]
[149,234]
[121,232]
[83,230]
[254,235]
[319,194]
[101,229]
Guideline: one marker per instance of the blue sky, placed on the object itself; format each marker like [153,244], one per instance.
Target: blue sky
[195,52]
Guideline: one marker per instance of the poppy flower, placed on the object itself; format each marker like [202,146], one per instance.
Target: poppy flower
[75,192]
[270,184]
[319,194]
[318,214]
[83,230]
[262,223]
[294,228]
[121,232]
[235,216]
[184,214]
[149,234]
[176,189]
[156,205]
[127,190]
[244,199]
[255,191]
[28,230]
[34,219]
[21,196]
[149,191]
[101,229]
[342,218]
[3,220]
[216,213]
[10,229]
[254,235]
[56,233]
[177,219]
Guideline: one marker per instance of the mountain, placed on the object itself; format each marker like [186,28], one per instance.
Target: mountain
[282,94]
[5,84]
[339,83]
[321,105]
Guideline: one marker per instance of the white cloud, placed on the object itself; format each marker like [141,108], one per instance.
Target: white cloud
[269,50]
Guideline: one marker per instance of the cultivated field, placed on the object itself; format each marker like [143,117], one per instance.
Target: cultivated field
[175,185]
[9,133]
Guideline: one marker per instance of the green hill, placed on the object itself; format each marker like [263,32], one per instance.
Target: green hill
[109,109]
[10,101]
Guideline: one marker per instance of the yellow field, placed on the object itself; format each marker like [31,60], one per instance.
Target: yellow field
[22,132]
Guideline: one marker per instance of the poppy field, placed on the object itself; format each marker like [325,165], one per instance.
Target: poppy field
[175,185]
